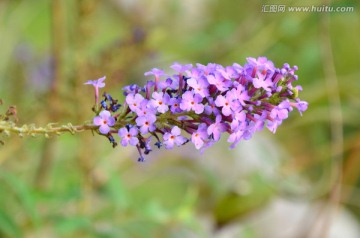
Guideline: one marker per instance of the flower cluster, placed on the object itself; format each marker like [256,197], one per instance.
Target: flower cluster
[203,101]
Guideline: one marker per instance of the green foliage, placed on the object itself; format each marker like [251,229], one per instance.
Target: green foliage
[23,195]
[7,226]
[235,205]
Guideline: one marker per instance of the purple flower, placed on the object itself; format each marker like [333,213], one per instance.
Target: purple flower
[239,118]
[261,63]
[180,68]
[227,103]
[229,72]
[238,68]
[128,136]
[146,123]
[262,82]
[134,101]
[209,68]
[211,107]
[195,73]
[219,81]
[236,136]
[175,105]
[199,136]
[200,86]
[258,122]
[300,105]
[173,138]
[241,94]
[273,125]
[160,101]
[99,83]
[144,109]
[191,101]
[163,85]
[156,72]
[239,129]
[281,111]
[105,121]
[131,89]
[173,84]
[217,128]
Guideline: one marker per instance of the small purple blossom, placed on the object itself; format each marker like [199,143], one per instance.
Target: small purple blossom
[261,63]
[258,122]
[217,128]
[229,72]
[180,68]
[144,109]
[146,123]
[128,136]
[105,121]
[281,111]
[228,103]
[160,101]
[241,94]
[236,136]
[199,137]
[99,83]
[164,84]
[262,81]
[173,137]
[273,125]
[191,101]
[200,86]
[239,118]
[211,108]
[134,101]
[195,73]
[219,81]
[301,106]
[156,72]
[131,89]
[175,105]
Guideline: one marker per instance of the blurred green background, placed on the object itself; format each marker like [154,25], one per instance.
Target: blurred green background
[301,182]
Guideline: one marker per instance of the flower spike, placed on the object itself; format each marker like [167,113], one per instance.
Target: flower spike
[202,101]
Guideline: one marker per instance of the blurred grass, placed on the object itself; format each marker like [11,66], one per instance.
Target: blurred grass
[90,190]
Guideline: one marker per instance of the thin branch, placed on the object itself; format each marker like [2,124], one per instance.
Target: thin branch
[47,130]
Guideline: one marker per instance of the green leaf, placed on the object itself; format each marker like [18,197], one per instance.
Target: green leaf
[23,194]
[8,227]
[73,224]
[117,192]
[234,205]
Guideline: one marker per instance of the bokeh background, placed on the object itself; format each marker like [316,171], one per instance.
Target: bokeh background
[301,182]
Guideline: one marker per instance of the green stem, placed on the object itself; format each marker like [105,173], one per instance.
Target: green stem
[32,130]
[8,127]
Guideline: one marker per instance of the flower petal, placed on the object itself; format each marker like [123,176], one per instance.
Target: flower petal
[104,129]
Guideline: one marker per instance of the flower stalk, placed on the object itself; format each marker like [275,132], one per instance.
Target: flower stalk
[203,101]
[31,130]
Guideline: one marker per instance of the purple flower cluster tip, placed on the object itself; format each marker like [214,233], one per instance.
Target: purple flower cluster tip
[199,104]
